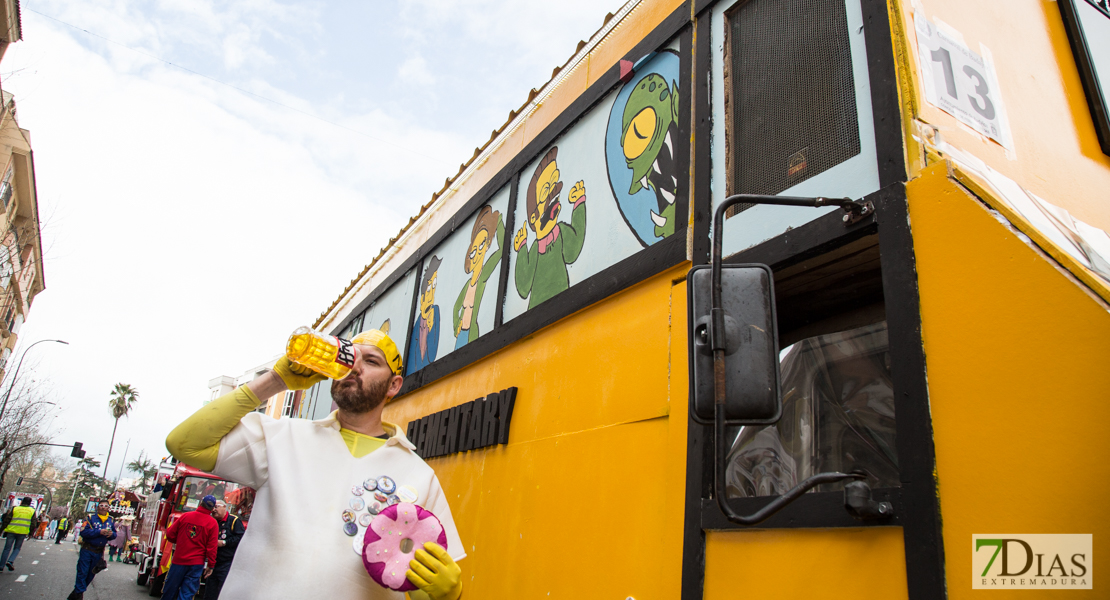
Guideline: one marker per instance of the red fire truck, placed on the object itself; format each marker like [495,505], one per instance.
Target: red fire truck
[182,488]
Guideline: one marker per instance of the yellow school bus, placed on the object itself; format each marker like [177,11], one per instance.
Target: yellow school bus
[936,336]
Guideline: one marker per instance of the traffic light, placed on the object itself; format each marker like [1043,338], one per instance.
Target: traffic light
[77,451]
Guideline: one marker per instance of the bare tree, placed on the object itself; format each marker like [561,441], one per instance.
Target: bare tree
[22,427]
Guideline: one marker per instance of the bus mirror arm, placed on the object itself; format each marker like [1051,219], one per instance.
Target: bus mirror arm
[857,495]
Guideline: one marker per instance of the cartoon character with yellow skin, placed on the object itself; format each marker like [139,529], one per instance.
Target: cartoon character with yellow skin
[488,228]
[424,341]
[541,270]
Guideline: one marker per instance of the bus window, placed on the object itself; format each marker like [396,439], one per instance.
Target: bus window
[838,415]
[196,488]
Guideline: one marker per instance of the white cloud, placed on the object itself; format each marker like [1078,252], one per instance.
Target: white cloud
[194,226]
[415,71]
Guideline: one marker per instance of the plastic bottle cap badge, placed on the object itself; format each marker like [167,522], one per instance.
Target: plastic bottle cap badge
[383,342]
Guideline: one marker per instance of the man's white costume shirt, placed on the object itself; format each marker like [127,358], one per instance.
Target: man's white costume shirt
[295,546]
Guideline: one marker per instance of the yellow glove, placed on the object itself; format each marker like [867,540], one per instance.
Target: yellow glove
[435,573]
[296,377]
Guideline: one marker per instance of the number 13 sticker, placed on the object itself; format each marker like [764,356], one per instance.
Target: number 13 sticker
[960,82]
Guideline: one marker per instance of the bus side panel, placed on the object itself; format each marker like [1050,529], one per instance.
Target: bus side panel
[587,496]
[860,564]
[1016,355]
[1056,153]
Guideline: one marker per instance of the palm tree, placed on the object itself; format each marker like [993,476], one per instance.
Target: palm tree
[122,397]
[145,468]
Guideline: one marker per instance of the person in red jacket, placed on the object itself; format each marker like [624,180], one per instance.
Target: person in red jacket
[194,536]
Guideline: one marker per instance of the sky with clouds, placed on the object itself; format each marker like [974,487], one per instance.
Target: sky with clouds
[194,215]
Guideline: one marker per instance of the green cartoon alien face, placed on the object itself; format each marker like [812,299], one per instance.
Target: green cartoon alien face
[649,112]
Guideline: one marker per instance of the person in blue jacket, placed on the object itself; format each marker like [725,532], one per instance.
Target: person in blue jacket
[99,529]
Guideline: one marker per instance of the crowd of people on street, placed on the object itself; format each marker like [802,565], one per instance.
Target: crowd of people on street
[205,542]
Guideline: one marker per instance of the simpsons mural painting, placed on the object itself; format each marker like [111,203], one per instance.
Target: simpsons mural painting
[649,133]
[541,269]
[487,225]
[640,148]
[424,341]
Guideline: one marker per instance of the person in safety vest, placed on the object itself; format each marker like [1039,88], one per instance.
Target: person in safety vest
[99,529]
[63,529]
[18,528]
[331,465]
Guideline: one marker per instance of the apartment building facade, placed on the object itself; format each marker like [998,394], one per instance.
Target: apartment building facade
[21,270]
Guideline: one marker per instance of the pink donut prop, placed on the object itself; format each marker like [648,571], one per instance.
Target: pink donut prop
[392,540]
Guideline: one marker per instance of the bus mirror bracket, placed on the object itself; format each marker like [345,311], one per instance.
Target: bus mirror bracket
[734,363]
[858,502]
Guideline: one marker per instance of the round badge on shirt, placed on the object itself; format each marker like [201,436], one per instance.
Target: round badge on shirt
[386,485]
[407,493]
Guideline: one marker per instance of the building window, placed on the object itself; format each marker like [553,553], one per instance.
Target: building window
[6,267]
[6,188]
[287,408]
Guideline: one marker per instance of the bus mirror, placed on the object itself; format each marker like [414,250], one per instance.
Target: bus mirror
[751,381]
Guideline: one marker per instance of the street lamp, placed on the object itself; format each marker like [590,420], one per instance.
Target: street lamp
[16,374]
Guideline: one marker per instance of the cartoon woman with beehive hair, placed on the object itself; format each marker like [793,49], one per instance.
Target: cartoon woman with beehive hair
[487,225]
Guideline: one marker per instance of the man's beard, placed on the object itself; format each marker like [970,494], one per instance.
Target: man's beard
[359,398]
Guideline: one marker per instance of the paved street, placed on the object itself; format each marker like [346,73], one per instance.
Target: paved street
[46,570]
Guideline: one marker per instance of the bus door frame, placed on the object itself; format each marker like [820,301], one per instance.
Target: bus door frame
[916,506]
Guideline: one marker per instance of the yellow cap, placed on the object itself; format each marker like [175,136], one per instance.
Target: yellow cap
[373,337]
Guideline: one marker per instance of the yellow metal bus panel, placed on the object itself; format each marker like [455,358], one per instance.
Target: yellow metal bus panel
[861,564]
[1016,355]
[605,365]
[588,495]
[1056,151]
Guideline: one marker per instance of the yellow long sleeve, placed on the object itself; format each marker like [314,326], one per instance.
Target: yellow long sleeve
[196,441]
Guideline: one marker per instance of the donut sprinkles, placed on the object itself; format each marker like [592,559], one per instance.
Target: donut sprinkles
[392,540]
